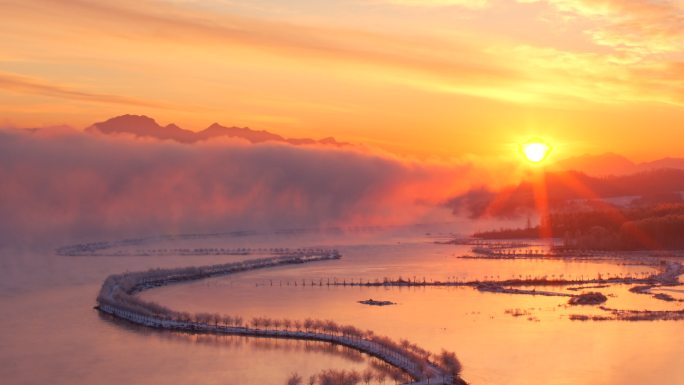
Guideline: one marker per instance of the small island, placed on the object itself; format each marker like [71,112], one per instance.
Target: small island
[373,302]
[590,298]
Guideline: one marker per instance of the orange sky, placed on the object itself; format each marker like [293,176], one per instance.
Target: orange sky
[421,77]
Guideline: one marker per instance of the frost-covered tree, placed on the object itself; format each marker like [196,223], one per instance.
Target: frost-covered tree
[294,379]
[367,376]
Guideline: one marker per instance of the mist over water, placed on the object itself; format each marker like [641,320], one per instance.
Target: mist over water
[61,188]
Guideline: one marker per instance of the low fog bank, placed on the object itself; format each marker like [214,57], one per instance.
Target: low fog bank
[66,187]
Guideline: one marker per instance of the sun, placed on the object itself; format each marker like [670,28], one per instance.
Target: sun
[536,151]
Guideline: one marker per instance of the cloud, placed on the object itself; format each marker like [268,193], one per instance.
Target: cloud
[462,64]
[599,77]
[66,187]
[472,4]
[176,24]
[24,84]
[451,64]
[644,27]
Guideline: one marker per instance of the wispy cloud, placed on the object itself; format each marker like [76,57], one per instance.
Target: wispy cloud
[601,78]
[24,84]
[645,27]
[429,63]
[400,56]
[473,4]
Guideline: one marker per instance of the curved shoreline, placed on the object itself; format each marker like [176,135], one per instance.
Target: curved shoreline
[117,299]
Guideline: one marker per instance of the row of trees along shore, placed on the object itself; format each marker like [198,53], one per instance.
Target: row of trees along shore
[118,295]
[346,377]
[124,247]
[353,377]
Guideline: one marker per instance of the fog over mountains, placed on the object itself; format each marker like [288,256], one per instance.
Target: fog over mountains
[145,127]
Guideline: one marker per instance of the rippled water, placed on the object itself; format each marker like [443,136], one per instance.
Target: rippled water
[51,334]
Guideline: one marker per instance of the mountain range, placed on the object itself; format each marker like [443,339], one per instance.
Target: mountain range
[612,164]
[145,127]
[141,126]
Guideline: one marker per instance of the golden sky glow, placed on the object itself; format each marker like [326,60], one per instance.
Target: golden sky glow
[442,77]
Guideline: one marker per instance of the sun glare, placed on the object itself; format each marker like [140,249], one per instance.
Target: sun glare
[536,151]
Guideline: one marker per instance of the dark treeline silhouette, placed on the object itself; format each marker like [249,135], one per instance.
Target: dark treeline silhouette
[503,233]
[564,189]
[659,226]
[122,247]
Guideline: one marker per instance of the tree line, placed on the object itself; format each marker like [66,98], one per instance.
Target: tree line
[608,227]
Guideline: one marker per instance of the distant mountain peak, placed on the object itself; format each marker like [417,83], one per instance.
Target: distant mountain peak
[141,126]
[253,136]
[329,140]
[598,165]
[668,162]
[131,122]
[144,126]
[610,163]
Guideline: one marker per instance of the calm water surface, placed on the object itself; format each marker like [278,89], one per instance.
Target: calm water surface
[51,334]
